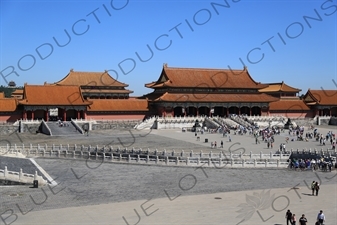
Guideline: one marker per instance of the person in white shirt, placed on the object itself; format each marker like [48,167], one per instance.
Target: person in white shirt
[320,218]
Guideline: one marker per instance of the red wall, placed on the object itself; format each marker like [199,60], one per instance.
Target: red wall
[303,114]
[10,118]
[114,117]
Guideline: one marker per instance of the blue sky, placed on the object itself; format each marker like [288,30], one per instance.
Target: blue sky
[275,39]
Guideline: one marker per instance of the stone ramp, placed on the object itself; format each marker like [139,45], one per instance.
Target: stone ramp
[20,171]
[57,130]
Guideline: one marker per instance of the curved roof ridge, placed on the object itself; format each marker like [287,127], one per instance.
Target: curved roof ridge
[206,78]
[201,68]
[89,78]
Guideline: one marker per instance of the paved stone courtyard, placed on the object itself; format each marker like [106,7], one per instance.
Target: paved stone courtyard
[83,183]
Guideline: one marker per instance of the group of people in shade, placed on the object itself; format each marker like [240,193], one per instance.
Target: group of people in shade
[291,218]
[325,164]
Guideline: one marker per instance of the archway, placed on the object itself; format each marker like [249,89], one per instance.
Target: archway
[71,114]
[256,111]
[219,111]
[234,110]
[191,111]
[326,112]
[179,111]
[203,111]
[245,110]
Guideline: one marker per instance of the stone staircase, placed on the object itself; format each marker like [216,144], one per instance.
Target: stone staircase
[57,130]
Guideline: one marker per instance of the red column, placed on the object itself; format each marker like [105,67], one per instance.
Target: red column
[24,114]
[197,111]
[78,114]
[46,115]
[250,111]
[64,115]
[227,112]
[172,110]
[32,114]
[163,111]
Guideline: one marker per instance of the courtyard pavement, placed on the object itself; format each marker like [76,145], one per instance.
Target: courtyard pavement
[108,193]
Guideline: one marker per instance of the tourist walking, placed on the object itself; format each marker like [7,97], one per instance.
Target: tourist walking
[313,187]
[303,220]
[288,217]
[320,218]
[293,219]
[221,143]
[317,188]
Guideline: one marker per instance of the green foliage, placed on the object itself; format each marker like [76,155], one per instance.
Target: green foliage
[8,91]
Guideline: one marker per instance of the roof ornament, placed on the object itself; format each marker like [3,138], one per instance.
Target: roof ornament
[165,64]
[245,67]
[71,70]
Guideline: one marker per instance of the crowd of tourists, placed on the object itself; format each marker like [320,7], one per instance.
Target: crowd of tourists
[324,163]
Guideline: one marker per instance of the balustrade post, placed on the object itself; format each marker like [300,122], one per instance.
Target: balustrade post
[5,172]
[20,174]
